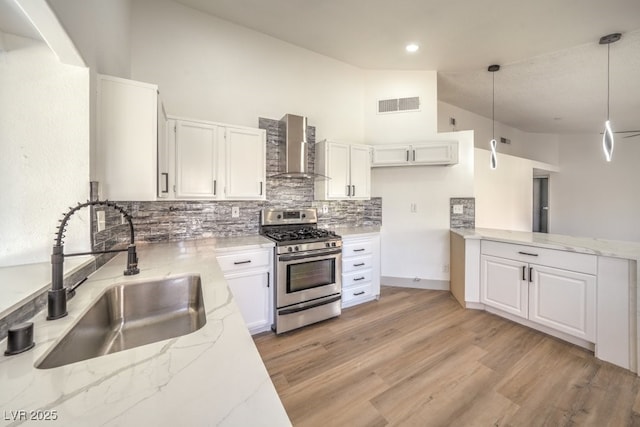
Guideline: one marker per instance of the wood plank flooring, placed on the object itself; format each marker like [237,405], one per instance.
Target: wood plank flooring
[416,358]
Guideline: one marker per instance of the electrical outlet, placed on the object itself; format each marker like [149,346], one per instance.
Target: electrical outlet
[235,212]
[414,207]
[452,121]
[458,209]
[325,209]
[445,268]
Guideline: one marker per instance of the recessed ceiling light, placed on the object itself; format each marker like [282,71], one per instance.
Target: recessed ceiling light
[411,48]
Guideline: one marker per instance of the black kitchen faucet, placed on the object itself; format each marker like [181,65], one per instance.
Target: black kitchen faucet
[57,297]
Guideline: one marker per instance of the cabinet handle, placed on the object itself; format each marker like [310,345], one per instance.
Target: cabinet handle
[215,187]
[261,188]
[414,155]
[358,250]
[524,271]
[359,264]
[530,274]
[268,279]
[353,192]
[527,253]
[357,279]
[348,190]
[242,262]
[407,155]
[166,182]
[355,294]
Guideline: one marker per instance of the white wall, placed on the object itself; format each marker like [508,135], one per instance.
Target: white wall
[590,197]
[504,196]
[535,146]
[417,244]
[211,69]
[101,31]
[44,136]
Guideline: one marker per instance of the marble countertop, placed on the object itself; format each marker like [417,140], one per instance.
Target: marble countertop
[352,231]
[602,247]
[213,376]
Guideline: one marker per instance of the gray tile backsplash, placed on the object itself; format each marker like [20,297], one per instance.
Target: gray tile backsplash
[467,219]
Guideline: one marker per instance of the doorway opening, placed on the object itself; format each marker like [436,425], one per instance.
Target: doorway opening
[540,204]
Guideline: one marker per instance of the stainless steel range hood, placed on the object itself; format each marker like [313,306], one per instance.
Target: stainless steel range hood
[293,155]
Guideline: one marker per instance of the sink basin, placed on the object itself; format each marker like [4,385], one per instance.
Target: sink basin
[129,315]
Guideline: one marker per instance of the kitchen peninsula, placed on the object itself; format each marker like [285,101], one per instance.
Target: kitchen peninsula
[581,290]
[213,376]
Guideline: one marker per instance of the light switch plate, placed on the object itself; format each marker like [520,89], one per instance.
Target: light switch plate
[235,212]
[325,209]
[458,209]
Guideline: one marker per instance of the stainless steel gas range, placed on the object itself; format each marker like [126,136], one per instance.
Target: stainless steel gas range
[308,268]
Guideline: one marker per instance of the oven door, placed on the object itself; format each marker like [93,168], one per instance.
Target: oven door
[305,276]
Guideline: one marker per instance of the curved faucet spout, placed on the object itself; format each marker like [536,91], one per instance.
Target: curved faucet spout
[57,297]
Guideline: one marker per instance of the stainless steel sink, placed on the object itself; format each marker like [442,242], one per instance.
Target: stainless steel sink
[130,315]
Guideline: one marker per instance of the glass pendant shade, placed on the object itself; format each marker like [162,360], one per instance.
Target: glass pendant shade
[607,141]
[493,163]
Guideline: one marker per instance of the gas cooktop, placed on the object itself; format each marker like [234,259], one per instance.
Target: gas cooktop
[302,233]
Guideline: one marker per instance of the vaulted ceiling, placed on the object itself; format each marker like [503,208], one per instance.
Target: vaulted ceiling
[554,72]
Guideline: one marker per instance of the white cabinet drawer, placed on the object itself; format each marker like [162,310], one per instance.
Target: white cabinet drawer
[357,248]
[357,292]
[357,264]
[583,263]
[244,260]
[356,278]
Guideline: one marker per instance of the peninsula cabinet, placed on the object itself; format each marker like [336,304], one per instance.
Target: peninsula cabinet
[215,161]
[424,153]
[526,282]
[248,274]
[348,168]
[131,125]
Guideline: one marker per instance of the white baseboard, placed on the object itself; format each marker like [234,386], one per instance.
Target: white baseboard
[403,282]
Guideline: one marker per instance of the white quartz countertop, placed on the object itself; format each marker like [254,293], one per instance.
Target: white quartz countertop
[213,376]
[602,247]
[353,231]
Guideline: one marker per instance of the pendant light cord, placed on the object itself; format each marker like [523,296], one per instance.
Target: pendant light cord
[608,77]
[493,106]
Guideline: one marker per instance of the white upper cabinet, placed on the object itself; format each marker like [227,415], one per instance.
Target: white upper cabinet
[215,161]
[246,163]
[197,154]
[425,153]
[127,139]
[348,167]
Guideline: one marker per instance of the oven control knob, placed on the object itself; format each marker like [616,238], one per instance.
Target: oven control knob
[279,216]
[289,249]
[328,245]
[304,215]
[296,248]
[333,244]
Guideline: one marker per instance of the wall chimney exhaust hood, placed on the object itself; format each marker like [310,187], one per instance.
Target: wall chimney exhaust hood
[293,155]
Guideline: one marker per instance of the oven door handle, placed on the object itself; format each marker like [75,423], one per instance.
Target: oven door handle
[314,255]
[318,304]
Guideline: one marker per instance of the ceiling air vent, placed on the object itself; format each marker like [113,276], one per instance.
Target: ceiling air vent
[398,105]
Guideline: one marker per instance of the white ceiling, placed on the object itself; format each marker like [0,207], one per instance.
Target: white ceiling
[553,76]
[14,21]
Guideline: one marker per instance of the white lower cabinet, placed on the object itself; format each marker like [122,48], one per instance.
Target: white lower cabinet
[360,269]
[248,274]
[560,299]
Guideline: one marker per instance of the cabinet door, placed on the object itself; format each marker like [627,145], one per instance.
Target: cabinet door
[435,153]
[251,293]
[196,160]
[563,300]
[394,155]
[246,163]
[126,146]
[163,153]
[360,172]
[337,165]
[503,285]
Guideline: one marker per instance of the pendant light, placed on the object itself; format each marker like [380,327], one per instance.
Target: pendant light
[493,163]
[607,136]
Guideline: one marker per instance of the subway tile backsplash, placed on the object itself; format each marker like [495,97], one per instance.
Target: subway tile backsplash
[174,220]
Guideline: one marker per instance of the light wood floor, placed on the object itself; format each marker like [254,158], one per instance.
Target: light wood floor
[416,358]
